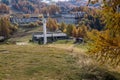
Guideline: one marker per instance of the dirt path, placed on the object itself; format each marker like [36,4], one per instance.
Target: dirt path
[69,47]
[22,43]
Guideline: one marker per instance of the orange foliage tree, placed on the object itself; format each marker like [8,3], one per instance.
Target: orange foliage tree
[52,24]
[106,44]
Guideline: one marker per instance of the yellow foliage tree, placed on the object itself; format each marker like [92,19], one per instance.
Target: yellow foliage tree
[62,26]
[52,24]
[6,28]
[82,31]
[106,44]
[69,29]
[75,32]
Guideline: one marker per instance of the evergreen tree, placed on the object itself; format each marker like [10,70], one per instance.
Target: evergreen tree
[5,2]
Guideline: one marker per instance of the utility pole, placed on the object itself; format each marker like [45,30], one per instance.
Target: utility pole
[39,6]
[44,31]
[10,6]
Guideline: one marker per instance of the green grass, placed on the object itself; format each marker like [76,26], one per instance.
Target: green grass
[64,42]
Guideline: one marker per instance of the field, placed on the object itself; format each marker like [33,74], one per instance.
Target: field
[35,62]
[60,60]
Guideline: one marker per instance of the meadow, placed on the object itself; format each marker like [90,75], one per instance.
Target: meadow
[42,62]
[60,60]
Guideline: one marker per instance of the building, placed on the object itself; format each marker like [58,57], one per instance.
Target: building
[20,19]
[78,14]
[51,37]
[50,2]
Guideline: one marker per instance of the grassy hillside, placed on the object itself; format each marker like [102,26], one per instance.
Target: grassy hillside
[35,62]
[60,60]
[24,34]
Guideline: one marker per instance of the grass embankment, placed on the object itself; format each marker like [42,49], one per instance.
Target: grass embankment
[24,34]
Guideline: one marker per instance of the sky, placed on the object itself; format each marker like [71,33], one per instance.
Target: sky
[63,0]
[60,0]
[48,1]
[66,0]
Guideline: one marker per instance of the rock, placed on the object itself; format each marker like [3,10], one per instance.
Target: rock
[4,51]
[2,38]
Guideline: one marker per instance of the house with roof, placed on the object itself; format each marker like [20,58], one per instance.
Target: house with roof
[51,37]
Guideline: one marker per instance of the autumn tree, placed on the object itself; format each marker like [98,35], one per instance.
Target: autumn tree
[52,24]
[82,31]
[6,28]
[4,8]
[75,32]
[69,29]
[91,17]
[62,26]
[23,5]
[52,9]
[106,43]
